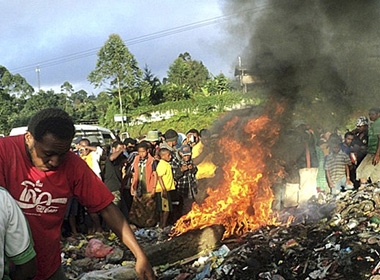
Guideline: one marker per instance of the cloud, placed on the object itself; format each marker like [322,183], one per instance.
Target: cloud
[63,37]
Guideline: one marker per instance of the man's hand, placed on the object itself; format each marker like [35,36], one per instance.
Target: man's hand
[120,226]
[144,270]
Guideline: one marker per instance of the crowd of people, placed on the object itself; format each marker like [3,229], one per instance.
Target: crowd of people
[331,163]
[83,188]
[148,182]
[158,173]
[153,179]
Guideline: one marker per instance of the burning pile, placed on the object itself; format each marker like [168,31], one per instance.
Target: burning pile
[244,199]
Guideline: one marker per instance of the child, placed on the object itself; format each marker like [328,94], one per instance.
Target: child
[144,180]
[185,177]
[165,185]
[337,169]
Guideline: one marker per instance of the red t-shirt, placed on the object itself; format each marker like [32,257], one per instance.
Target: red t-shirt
[43,196]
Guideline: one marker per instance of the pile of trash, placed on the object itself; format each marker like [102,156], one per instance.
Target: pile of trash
[330,238]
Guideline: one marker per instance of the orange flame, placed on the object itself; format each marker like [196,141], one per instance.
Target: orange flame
[243,202]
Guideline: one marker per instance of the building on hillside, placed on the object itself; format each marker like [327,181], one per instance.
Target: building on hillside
[246,76]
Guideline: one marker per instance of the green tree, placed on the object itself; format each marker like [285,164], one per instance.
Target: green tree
[67,90]
[6,111]
[38,101]
[175,92]
[78,101]
[218,85]
[13,91]
[14,84]
[156,94]
[187,73]
[103,102]
[87,111]
[117,67]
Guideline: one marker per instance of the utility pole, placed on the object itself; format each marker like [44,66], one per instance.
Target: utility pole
[38,70]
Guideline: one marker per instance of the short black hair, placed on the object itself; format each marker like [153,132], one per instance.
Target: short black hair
[144,145]
[193,130]
[129,140]
[51,120]
[349,133]
[163,151]
[116,143]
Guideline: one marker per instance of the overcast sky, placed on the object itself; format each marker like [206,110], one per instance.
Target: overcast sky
[62,37]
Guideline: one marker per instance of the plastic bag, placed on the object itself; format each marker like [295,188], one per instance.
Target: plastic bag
[96,249]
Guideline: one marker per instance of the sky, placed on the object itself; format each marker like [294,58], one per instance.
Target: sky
[50,42]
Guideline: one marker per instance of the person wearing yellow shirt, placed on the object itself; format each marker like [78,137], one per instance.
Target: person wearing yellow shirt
[202,156]
[165,185]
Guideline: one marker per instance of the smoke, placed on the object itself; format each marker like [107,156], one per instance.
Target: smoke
[319,60]
[318,57]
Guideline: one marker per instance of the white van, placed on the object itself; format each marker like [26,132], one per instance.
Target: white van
[18,130]
[94,133]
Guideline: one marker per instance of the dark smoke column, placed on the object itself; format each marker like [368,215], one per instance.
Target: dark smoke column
[320,57]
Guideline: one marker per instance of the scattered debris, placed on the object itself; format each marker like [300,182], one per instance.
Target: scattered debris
[338,239]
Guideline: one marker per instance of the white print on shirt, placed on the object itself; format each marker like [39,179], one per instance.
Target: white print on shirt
[33,197]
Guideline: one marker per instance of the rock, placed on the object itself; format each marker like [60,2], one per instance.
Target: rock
[115,256]
[85,264]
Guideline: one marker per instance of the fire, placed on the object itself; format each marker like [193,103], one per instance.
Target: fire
[243,202]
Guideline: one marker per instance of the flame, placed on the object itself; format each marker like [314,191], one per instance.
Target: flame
[290,221]
[243,202]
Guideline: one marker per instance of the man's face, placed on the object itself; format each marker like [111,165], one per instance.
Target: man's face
[186,157]
[166,156]
[336,149]
[130,148]
[83,148]
[143,153]
[373,116]
[362,128]
[192,138]
[47,154]
[348,140]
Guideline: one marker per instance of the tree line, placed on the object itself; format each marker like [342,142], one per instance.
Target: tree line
[124,87]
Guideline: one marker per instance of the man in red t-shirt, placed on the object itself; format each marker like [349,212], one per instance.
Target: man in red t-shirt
[41,174]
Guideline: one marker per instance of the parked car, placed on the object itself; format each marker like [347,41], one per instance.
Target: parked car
[94,133]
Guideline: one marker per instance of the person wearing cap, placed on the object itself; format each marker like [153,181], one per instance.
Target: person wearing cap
[186,181]
[154,138]
[369,168]
[170,142]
